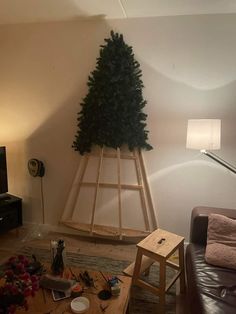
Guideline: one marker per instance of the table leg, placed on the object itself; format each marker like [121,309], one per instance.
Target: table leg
[182,268]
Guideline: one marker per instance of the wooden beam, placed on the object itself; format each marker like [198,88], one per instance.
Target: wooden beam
[145,264]
[145,285]
[84,167]
[113,155]
[173,280]
[114,185]
[148,192]
[172,265]
[96,190]
[141,191]
[119,193]
[106,231]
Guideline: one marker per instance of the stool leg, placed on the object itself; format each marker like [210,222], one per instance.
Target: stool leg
[182,268]
[162,286]
[137,266]
[147,271]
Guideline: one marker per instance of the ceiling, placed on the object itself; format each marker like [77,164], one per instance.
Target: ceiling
[25,11]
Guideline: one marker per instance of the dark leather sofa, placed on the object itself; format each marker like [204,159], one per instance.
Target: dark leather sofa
[210,289]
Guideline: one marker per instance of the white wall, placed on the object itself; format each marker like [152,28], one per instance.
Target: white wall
[189,71]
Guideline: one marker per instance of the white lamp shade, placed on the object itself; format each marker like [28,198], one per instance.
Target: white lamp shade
[204,134]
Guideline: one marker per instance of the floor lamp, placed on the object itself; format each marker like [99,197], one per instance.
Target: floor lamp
[205,135]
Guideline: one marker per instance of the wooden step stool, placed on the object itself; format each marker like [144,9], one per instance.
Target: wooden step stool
[158,246]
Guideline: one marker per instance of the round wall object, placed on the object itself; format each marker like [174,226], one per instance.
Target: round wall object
[36,167]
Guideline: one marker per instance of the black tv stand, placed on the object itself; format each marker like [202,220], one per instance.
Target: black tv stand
[10,212]
[4,197]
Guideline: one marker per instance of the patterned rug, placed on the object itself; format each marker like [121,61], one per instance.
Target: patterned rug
[141,302]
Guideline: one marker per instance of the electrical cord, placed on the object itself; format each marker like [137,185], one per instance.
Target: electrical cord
[42,199]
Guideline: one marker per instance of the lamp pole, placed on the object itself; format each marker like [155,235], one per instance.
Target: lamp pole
[221,161]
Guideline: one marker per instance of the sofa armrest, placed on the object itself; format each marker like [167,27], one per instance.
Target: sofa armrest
[199,222]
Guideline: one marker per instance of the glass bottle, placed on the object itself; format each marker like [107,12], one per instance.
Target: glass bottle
[57,266]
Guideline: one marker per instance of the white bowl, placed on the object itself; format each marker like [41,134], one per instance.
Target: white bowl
[80,305]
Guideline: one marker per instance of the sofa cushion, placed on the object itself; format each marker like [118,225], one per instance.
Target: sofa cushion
[221,241]
[199,222]
[206,282]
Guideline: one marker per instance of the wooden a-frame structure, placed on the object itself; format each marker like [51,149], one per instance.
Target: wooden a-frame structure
[142,187]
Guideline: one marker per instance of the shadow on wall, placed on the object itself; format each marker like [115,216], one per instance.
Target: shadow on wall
[60,58]
[52,142]
[196,49]
[42,13]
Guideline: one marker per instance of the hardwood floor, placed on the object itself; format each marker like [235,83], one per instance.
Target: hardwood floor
[14,240]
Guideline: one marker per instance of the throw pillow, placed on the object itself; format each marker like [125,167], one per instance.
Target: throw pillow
[221,241]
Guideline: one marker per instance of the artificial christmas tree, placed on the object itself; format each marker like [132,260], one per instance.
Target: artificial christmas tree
[111,116]
[111,113]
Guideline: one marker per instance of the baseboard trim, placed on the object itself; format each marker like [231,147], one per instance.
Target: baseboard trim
[62,229]
[50,228]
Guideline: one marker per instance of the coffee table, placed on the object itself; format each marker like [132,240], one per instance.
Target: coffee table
[43,302]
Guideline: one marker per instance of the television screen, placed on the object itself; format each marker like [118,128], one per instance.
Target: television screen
[3,171]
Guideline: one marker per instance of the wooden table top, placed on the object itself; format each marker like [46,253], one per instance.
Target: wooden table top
[43,302]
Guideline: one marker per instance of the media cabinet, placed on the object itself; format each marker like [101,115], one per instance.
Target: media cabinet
[10,212]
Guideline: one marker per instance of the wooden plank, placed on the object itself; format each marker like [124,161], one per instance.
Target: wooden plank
[129,270]
[97,184]
[145,285]
[96,190]
[106,231]
[173,280]
[148,191]
[172,265]
[113,185]
[113,155]
[84,167]
[137,266]
[119,193]
[141,191]
[145,264]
